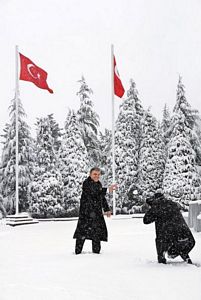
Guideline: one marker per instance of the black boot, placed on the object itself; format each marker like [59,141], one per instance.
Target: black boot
[161,260]
[189,261]
[96,246]
[186,258]
[161,249]
[79,245]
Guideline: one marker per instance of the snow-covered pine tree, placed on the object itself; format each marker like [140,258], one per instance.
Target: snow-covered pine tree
[5,134]
[8,160]
[73,163]
[56,132]
[46,189]
[181,179]
[105,145]
[127,144]
[191,120]
[165,124]
[151,158]
[198,138]
[89,123]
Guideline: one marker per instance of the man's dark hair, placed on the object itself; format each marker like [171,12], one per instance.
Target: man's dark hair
[154,198]
[95,169]
[158,195]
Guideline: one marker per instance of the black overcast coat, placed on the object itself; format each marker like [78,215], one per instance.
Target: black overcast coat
[91,224]
[171,228]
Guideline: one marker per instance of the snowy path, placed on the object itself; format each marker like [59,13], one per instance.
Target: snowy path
[37,263]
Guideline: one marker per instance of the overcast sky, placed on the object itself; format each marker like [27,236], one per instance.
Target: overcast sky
[154,40]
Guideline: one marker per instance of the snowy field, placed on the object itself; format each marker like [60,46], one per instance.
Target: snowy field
[38,262]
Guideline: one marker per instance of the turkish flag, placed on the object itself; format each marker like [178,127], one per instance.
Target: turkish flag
[118,86]
[31,72]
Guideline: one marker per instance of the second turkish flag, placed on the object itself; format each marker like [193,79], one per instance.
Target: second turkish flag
[31,72]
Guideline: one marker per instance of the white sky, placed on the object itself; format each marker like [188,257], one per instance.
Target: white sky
[155,41]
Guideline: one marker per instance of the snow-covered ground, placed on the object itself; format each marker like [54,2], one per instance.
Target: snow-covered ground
[37,262]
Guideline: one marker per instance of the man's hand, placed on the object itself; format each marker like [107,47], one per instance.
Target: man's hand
[112,188]
[108,213]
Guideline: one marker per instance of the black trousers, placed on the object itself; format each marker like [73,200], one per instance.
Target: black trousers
[182,248]
[176,248]
[96,246]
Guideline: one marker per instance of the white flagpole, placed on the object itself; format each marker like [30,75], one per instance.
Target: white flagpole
[113,128]
[16,126]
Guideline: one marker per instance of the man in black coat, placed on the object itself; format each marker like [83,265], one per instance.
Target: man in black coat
[91,224]
[172,233]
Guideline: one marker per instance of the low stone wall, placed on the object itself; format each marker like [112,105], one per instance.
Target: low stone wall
[194,215]
[198,225]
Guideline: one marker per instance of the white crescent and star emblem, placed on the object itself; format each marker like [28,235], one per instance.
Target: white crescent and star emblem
[35,75]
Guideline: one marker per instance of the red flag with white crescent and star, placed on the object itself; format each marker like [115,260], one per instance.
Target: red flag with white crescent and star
[31,72]
[118,86]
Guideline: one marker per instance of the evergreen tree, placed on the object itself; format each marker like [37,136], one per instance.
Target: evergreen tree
[190,118]
[127,144]
[181,179]
[165,124]
[8,160]
[73,163]
[197,140]
[89,123]
[46,189]
[5,134]
[56,132]
[105,146]
[151,158]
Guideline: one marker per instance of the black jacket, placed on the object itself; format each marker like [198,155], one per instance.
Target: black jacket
[169,222]
[91,224]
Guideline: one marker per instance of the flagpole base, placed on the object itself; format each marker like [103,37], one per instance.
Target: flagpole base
[20,219]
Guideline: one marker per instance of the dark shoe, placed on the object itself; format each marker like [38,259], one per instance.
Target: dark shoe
[189,261]
[186,258]
[161,260]
[79,245]
[96,246]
